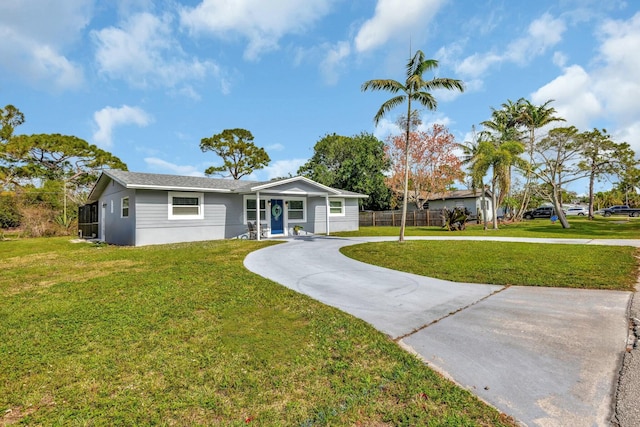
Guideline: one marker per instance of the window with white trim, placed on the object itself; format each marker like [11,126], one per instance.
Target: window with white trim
[295,210]
[250,209]
[336,207]
[186,205]
[124,207]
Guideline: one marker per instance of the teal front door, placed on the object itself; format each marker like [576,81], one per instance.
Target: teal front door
[277,216]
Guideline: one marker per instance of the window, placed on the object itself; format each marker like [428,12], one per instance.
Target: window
[250,210]
[336,207]
[186,205]
[124,207]
[295,210]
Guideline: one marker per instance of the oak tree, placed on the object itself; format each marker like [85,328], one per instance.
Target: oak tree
[240,156]
[357,163]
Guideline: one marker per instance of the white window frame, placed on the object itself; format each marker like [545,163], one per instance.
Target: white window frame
[172,194]
[342,207]
[122,207]
[304,210]
[264,200]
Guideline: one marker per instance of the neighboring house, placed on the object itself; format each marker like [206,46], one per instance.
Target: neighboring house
[139,209]
[470,199]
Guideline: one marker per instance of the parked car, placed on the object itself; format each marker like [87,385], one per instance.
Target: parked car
[578,210]
[621,210]
[541,212]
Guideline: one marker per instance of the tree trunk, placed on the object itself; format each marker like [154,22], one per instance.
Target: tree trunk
[494,201]
[592,177]
[557,205]
[403,221]
[484,206]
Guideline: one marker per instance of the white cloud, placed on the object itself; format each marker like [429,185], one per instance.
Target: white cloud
[144,52]
[392,20]
[618,80]
[278,169]
[609,94]
[262,23]
[332,64]
[275,147]
[35,35]
[109,117]
[162,166]
[573,96]
[542,34]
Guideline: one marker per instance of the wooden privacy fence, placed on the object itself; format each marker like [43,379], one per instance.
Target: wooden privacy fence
[394,218]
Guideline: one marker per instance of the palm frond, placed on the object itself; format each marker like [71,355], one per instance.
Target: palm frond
[388,105]
[414,63]
[444,83]
[388,85]
[426,99]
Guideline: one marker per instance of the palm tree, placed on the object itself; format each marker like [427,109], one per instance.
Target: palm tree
[498,156]
[471,156]
[502,129]
[533,117]
[415,89]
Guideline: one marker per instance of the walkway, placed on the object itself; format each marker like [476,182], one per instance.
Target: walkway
[546,356]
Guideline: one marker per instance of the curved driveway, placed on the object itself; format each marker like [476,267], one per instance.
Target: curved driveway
[546,356]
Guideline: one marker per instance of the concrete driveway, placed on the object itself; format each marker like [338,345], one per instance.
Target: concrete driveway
[546,356]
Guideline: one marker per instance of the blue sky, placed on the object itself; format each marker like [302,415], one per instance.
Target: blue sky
[147,80]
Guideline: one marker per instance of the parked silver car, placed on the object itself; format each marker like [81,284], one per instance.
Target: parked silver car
[578,210]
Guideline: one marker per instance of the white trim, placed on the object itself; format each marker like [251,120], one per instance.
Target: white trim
[172,194]
[122,215]
[173,188]
[264,199]
[294,179]
[342,206]
[287,201]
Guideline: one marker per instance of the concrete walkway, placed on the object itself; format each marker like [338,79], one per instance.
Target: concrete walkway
[546,356]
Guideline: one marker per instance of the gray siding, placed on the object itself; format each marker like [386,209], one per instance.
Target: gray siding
[222,219]
[317,216]
[117,230]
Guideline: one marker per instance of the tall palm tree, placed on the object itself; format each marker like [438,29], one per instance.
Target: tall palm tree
[502,129]
[471,156]
[533,117]
[415,89]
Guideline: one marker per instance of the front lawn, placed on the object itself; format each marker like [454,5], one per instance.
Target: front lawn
[185,335]
[508,263]
[581,228]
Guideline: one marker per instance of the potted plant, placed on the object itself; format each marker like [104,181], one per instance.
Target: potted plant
[296,229]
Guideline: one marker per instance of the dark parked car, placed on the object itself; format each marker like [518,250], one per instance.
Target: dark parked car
[621,210]
[541,212]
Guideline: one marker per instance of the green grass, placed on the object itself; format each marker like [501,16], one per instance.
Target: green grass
[581,228]
[508,263]
[185,335]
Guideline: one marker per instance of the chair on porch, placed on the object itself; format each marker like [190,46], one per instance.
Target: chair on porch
[253,232]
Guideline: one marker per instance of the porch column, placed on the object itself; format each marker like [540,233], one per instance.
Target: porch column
[257,215]
[326,200]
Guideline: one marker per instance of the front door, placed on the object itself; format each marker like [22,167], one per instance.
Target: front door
[277,216]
